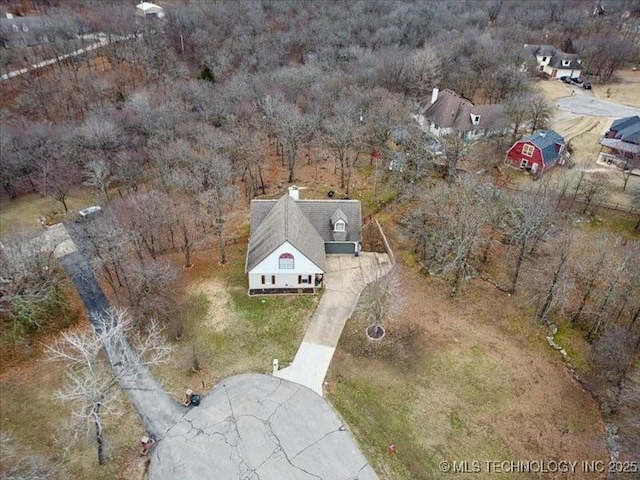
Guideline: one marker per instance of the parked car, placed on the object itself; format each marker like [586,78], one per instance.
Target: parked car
[566,79]
[88,212]
[586,86]
[577,80]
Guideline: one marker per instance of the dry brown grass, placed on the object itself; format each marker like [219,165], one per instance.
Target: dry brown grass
[35,420]
[625,88]
[481,385]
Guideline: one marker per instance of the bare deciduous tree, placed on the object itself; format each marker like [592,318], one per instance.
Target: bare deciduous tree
[381,299]
[90,381]
[447,225]
[344,135]
[527,219]
[98,174]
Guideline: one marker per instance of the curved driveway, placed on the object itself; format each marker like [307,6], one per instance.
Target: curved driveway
[344,281]
[585,103]
[249,427]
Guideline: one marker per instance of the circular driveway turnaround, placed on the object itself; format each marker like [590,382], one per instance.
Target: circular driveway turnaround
[588,104]
[249,427]
[258,427]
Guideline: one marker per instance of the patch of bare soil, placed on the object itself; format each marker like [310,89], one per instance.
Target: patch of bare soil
[220,314]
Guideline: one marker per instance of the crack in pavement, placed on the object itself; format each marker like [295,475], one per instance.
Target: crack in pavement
[186,440]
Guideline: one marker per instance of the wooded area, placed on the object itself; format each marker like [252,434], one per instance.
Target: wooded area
[173,125]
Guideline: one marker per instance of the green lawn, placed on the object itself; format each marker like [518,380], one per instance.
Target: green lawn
[231,333]
[21,215]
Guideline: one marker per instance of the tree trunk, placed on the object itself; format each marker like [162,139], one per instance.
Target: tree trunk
[516,274]
[221,241]
[97,423]
[576,317]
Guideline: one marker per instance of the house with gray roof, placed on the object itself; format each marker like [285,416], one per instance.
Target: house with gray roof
[447,112]
[537,153]
[290,239]
[555,62]
[621,143]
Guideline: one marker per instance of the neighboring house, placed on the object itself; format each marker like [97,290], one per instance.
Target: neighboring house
[146,9]
[621,143]
[398,162]
[290,239]
[22,32]
[554,62]
[537,153]
[447,112]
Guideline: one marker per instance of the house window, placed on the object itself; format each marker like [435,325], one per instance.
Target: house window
[286,261]
[339,226]
[302,279]
[523,164]
[268,279]
[544,59]
[528,150]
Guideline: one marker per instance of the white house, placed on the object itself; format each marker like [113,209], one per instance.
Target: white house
[446,112]
[146,9]
[290,239]
[554,62]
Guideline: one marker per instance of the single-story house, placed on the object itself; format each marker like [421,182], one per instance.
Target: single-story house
[554,62]
[146,9]
[290,239]
[447,112]
[537,153]
[621,143]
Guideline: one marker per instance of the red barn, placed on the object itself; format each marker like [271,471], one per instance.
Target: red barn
[538,152]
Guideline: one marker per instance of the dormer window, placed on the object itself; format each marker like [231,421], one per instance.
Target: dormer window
[286,261]
[339,226]
[475,119]
[566,63]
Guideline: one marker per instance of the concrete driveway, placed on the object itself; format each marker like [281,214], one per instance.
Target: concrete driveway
[344,281]
[585,103]
[249,427]
[254,427]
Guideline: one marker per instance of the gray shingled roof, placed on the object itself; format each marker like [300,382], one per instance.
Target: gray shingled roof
[283,221]
[627,129]
[557,56]
[339,215]
[542,50]
[318,213]
[546,141]
[453,111]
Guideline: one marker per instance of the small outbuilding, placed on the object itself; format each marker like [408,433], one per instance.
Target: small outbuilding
[537,153]
[146,9]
